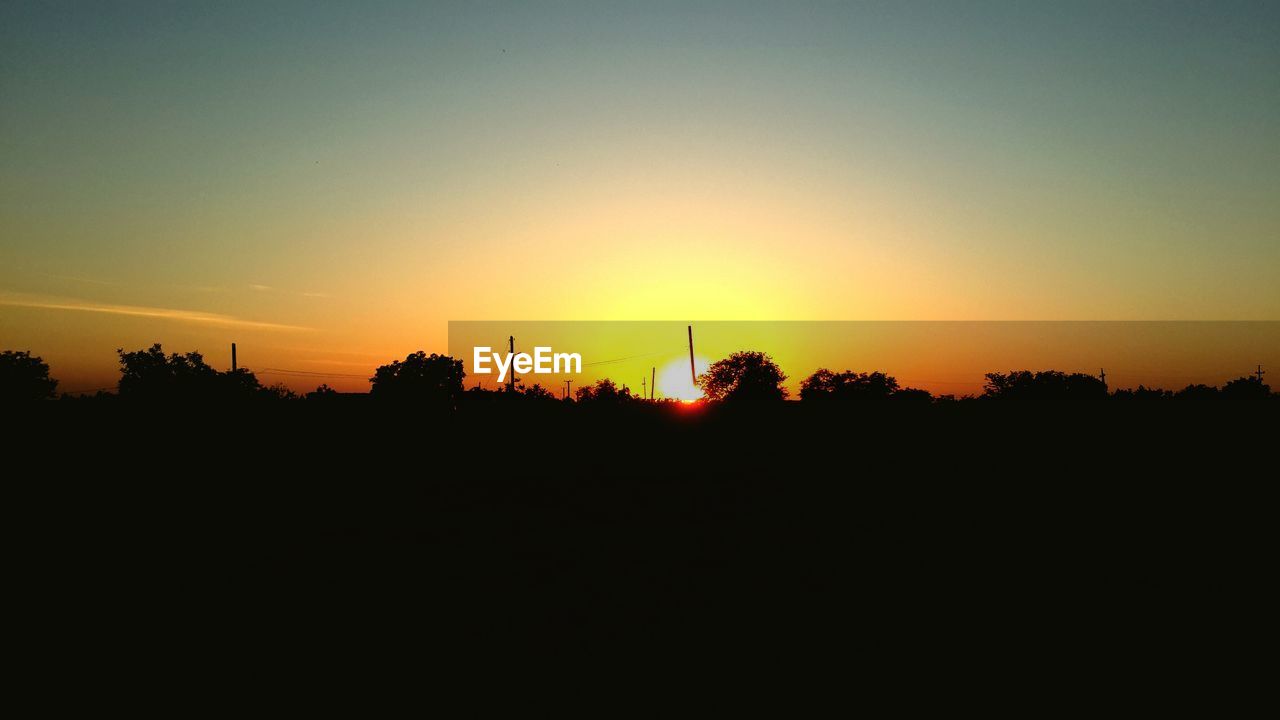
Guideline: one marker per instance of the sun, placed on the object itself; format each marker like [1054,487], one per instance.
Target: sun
[674,381]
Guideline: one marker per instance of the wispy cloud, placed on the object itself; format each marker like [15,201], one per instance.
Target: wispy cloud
[272,289]
[76,278]
[189,316]
[257,287]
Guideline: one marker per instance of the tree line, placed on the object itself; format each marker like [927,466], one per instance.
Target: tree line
[746,378]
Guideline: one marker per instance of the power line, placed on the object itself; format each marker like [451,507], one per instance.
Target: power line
[629,357]
[283,371]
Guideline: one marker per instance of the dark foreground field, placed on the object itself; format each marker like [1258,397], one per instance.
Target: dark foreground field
[274,533]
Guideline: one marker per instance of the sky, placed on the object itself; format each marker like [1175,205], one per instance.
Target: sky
[329,184]
[942,357]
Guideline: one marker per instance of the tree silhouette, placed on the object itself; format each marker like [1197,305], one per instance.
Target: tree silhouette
[1198,393]
[537,392]
[24,377]
[240,383]
[911,397]
[604,392]
[1049,386]
[1143,395]
[433,379]
[323,392]
[824,385]
[151,375]
[278,391]
[747,377]
[1246,389]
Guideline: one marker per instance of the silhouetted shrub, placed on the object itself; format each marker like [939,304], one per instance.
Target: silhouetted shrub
[278,391]
[827,386]
[151,375]
[538,393]
[1246,389]
[911,398]
[746,377]
[24,377]
[434,380]
[1142,396]
[1047,387]
[324,392]
[1198,393]
[604,392]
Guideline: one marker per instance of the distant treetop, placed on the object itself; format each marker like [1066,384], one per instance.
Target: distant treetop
[24,377]
[744,377]
[151,375]
[1046,386]
[434,380]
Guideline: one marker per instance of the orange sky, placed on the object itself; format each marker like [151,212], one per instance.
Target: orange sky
[942,357]
[329,188]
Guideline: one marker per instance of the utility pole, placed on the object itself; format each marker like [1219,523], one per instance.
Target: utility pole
[1103,373]
[693,373]
[511,381]
[643,392]
[653,381]
[1259,374]
[566,388]
[233,357]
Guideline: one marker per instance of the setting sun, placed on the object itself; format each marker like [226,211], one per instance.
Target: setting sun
[674,380]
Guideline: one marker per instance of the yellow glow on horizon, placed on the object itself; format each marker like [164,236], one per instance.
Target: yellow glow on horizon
[674,380]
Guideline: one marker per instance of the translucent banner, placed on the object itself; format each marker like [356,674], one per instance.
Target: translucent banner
[662,358]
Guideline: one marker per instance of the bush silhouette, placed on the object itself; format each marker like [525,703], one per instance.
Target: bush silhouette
[826,386]
[1047,387]
[434,380]
[323,392]
[1142,395]
[278,391]
[536,392]
[24,377]
[151,375]
[1198,393]
[604,392]
[1246,389]
[744,377]
[911,397]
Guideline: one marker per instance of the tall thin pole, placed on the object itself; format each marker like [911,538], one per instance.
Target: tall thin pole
[1260,373]
[693,373]
[511,380]
[643,393]
[653,380]
[566,388]
[233,357]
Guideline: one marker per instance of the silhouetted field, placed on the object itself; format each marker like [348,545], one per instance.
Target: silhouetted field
[273,520]
[295,526]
